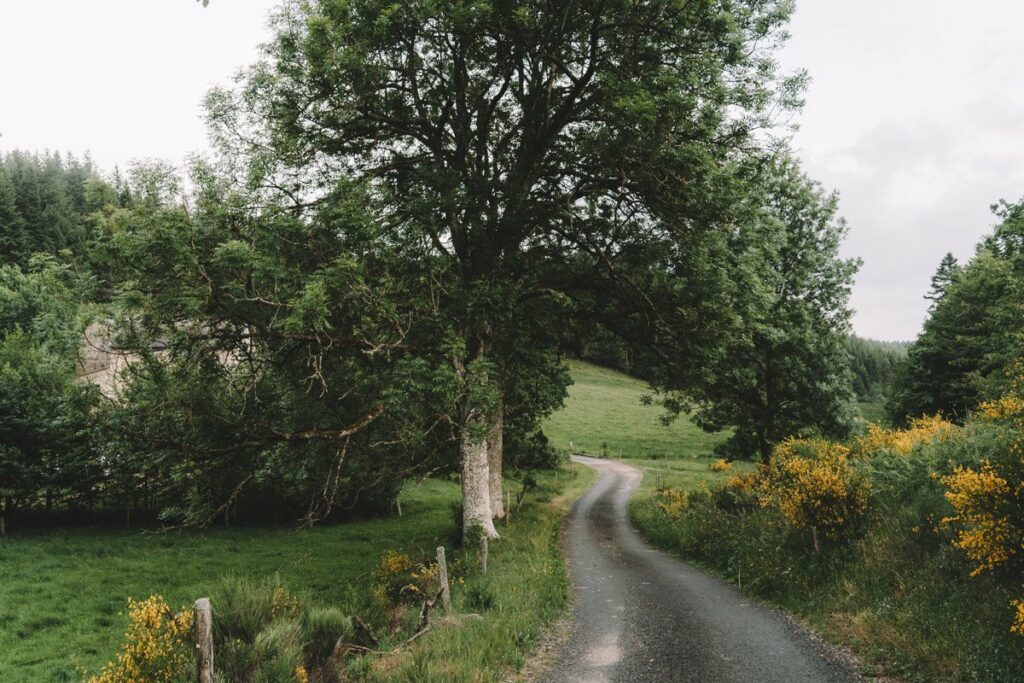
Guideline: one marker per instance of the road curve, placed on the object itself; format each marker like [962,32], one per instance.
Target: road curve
[642,615]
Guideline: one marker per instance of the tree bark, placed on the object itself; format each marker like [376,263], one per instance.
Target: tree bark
[495,455]
[476,495]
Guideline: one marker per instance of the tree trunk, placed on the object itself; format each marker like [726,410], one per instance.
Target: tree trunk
[476,496]
[495,454]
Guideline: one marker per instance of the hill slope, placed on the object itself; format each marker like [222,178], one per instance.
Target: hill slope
[604,416]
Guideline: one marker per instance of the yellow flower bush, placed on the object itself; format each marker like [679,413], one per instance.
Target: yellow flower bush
[922,430]
[721,465]
[988,519]
[398,578]
[673,502]
[812,485]
[986,536]
[1006,407]
[157,647]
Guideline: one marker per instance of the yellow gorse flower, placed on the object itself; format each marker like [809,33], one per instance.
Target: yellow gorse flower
[673,502]
[985,537]
[922,430]
[811,483]
[156,646]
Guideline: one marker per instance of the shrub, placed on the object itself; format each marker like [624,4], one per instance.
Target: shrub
[321,628]
[811,483]
[721,465]
[156,646]
[738,494]
[922,430]
[673,501]
[988,519]
[243,607]
[398,579]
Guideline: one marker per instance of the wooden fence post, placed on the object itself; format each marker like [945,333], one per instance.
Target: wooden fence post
[204,640]
[442,575]
[508,507]
[483,553]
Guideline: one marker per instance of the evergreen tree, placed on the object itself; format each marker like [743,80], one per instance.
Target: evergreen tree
[975,331]
[943,278]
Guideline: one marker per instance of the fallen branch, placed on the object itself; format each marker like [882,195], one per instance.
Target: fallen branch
[424,626]
[425,611]
[365,629]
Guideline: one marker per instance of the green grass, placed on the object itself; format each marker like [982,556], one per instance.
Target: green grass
[63,593]
[682,474]
[873,411]
[604,416]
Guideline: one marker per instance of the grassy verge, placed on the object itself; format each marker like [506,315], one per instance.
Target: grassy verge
[525,589]
[604,416]
[63,593]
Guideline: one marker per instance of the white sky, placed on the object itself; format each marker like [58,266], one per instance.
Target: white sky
[916,116]
[915,113]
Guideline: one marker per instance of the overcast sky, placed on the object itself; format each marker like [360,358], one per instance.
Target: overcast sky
[915,113]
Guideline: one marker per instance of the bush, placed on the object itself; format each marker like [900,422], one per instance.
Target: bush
[398,579]
[157,647]
[262,633]
[721,465]
[812,485]
[922,430]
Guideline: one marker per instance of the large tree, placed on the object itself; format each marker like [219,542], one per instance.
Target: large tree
[785,371]
[563,159]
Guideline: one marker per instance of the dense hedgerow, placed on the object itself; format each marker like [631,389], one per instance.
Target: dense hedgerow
[920,540]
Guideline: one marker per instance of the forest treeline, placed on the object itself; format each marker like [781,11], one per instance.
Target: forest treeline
[411,215]
[973,339]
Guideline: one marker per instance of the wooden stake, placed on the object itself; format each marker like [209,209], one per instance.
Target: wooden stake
[398,503]
[442,575]
[483,553]
[508,507]
[204,640]
[3,526]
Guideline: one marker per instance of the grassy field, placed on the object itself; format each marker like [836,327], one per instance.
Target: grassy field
[63,593]
[604,416]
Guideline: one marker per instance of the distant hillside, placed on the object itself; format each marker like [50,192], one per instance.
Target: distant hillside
[604,415]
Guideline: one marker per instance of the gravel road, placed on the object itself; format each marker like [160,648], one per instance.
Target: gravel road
[642,615]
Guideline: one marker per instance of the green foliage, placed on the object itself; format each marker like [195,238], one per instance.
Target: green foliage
[278,371]
[974,332]
[874,365]
[47,454]
[899,594]
[47,205]
[784,370]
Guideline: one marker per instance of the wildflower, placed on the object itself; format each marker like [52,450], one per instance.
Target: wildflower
[986,536]
[673,502]
[156,645]
[811,483]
